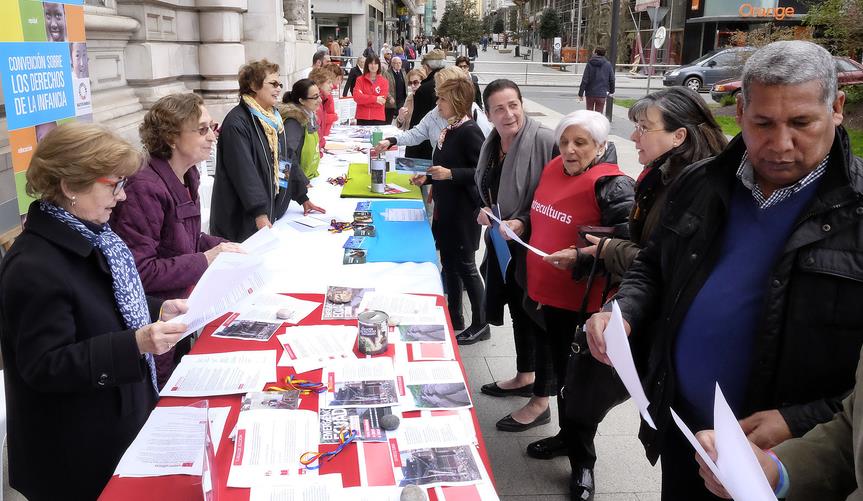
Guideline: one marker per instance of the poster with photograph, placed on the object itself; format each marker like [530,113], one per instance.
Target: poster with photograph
[429,466]
[45,78]
[412,166]
[432,385]
[363,382]
[252,330]
[342,303]
[271,400]
[363,420]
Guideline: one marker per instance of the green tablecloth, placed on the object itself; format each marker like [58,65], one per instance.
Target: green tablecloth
[359,182]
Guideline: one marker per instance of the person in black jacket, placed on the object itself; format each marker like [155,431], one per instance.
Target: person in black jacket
[355,73]
[752,279]
[464,63]
[597,81]
[77,331]
[457,200]
[255,180]
[425,101]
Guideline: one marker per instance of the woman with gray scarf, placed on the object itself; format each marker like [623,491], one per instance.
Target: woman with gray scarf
[508,171]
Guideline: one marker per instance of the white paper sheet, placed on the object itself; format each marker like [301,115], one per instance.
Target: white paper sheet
[221,374]
[171,442]
[311,347]
[269,443]
[399,306]
[511,234]
[371,494]
[314,220]
[404,214]
[695,444]
[432,385]
[264,306]
[618,351]
[263,241]
[742,476]
[437,431]
[231,278]
[300,488]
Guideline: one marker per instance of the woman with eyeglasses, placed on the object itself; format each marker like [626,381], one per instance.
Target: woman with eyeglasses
[371,92]
[301,125]
[255,179]
[673,129]
[415,78]
[160,220]
[464,63]
[77,331]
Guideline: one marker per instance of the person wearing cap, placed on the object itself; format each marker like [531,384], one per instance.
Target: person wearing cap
[425,99]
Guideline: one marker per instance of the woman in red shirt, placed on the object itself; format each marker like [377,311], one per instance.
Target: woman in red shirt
[326,112]
[370,93]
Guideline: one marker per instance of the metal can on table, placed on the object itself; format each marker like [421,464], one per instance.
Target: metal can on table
[373,328]
[378,173]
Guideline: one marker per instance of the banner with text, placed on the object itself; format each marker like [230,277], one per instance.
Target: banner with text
[44,75]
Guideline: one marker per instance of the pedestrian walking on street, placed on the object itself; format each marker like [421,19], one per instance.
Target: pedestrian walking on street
[597,82]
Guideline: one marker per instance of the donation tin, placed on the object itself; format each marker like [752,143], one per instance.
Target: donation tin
[373,332]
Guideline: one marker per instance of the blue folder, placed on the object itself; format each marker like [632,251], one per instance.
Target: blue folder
[400,241]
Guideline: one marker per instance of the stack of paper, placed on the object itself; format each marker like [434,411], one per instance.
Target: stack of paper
[269,443]
[432,385]
[171,442]
[221,374]
[313,346]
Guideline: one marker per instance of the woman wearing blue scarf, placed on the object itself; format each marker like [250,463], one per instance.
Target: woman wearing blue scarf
[76,329]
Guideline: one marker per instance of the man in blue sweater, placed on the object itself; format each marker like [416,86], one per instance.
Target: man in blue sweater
[754,277]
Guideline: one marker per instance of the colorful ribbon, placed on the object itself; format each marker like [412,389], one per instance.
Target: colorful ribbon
[345,437]
[340,226]
[304,386]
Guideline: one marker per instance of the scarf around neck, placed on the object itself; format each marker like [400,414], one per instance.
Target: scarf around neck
[128,291]
[272,125]
[452,125]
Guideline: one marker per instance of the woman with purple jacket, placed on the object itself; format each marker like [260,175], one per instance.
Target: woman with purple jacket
[160,220]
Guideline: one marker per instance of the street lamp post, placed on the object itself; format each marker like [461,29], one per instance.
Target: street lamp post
[615,27]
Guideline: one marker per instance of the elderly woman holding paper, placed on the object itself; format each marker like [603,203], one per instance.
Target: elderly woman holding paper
[76,328]
[160,220]
[508,171]
[577,189]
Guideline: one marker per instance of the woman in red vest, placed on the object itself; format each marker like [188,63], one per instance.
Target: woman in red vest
[576,189]
[371,92]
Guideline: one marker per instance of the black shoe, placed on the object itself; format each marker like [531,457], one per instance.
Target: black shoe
[547,448]
[581,485]
[473,334]
[493,390]
[510,424]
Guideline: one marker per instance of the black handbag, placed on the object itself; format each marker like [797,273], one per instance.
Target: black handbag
[591,388]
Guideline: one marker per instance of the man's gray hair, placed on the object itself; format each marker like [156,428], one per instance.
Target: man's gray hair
[792,62]
[593,122]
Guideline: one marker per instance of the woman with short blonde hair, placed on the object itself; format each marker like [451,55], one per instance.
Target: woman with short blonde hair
[77,331]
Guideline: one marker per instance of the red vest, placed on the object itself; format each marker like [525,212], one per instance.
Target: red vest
[561,204]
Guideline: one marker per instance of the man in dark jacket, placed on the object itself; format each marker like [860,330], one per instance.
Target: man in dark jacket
[355,73]
[425,99]
[753,277]
[597,82]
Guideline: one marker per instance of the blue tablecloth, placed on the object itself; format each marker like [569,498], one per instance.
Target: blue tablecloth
[400,241]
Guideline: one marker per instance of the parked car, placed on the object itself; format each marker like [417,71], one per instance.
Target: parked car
[710,68]
[848,72]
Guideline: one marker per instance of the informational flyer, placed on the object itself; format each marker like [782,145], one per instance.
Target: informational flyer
[311,347]
[432,385]
[221,374]
[364,382]
[365,421]
[342,303]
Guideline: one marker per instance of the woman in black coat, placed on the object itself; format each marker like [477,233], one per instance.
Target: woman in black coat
[456,201]
[75,326]
[254,181]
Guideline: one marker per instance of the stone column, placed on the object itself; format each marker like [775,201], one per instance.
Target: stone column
[221,52]
[297,14]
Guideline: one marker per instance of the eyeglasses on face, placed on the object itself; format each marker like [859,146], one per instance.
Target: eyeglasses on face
[414,82]
[116,186]
[640,130]
[204,129]
[313,98]
[463,66]
[276,84]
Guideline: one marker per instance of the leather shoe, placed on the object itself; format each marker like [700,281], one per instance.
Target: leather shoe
[473,334]
[581,485]
[547,448]
[510,424]
[492,389]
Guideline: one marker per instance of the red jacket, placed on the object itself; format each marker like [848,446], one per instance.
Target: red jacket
[366,93]
[327,116]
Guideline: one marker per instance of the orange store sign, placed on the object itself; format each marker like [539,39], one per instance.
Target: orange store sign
[778,13]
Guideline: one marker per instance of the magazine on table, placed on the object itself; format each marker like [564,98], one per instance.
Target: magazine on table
[343,303]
